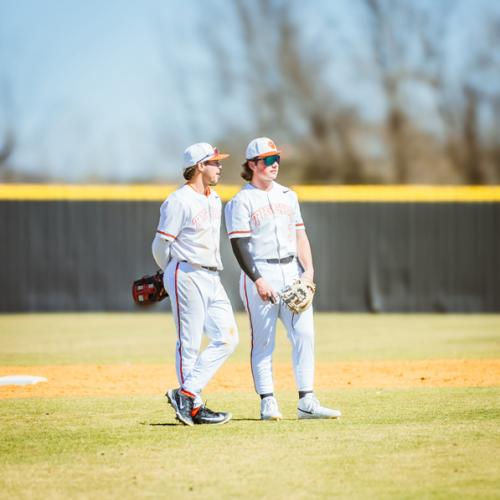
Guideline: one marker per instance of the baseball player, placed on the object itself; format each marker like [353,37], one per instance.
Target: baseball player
[186,247]
[270,243]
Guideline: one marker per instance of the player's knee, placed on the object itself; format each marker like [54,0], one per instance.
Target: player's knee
[234,340]
[231,342]
[301,334]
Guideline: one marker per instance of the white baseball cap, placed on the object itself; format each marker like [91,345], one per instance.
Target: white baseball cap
[261,147]
[201,151]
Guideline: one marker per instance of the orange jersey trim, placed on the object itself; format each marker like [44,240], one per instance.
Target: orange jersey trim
[166,234]
[238,232]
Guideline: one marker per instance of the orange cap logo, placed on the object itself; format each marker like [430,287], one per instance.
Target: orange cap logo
[271,145]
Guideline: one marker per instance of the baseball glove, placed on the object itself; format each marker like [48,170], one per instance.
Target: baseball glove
[149,289]
[299,295]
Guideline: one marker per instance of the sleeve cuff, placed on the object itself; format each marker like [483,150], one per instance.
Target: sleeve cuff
[239,234]
[165,235]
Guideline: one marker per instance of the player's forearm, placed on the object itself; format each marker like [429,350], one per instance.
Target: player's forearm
[161,251]
[242,253]
[305,254]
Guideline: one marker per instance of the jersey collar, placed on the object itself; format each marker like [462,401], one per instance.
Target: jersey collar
[249,185]
[207,192]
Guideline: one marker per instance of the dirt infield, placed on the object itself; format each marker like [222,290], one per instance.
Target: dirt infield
[142,379]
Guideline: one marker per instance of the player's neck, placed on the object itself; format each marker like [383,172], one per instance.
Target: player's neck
[199,186]
[265,185]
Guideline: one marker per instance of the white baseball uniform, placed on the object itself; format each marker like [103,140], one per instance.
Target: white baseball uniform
[271,219]
[190,221]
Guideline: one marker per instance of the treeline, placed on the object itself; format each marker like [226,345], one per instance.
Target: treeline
[435,79]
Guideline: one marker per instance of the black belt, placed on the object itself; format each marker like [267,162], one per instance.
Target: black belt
[208,268]
[284,260]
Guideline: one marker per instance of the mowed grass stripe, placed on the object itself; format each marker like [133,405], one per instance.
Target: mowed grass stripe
[412,444]
[145,337]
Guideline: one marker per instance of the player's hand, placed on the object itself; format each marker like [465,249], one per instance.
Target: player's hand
[265,291]
[307,275]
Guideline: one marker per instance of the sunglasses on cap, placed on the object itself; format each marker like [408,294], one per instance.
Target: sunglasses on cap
[271,160]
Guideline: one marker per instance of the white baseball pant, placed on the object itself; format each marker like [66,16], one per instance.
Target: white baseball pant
[263,318]
[199,305]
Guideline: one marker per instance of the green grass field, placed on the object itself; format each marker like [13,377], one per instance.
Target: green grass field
[415,443]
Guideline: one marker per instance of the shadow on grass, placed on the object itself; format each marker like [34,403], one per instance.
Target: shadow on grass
[260,420]
[174,424]
[245,419]
[161,424]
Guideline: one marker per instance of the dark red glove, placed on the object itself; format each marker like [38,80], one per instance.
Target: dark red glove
[149,289]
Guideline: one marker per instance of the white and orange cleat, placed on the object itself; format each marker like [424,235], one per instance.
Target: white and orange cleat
[269,409]
[309,407]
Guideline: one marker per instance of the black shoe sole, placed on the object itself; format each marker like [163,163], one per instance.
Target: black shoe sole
[225,421]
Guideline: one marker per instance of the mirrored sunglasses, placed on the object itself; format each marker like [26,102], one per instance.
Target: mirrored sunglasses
[271,160]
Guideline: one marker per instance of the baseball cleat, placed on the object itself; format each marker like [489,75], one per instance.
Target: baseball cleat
[182,404]
[203,415]
[269,409]
[309,407]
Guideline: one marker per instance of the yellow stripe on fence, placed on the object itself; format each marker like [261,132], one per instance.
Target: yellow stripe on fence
[81,192]
[148,192]
[425,194]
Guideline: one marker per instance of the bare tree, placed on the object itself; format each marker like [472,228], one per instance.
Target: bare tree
[461,100]
[288,91]
[282,79]
[392,31]
[7,131]
[489,63]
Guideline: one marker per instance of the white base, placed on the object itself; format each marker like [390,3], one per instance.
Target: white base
[21,380]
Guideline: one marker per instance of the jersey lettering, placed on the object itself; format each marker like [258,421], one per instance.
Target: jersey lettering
[270,211]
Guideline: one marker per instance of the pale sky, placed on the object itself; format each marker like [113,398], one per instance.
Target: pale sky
[101,88]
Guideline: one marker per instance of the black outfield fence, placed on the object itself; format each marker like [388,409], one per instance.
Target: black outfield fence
[397,249]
